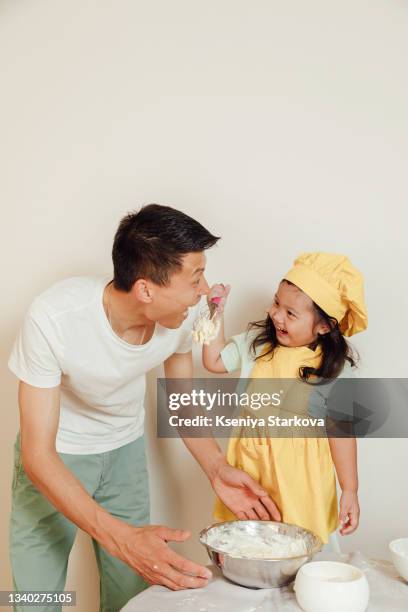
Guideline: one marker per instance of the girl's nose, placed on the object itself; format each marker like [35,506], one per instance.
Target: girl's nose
[277,319]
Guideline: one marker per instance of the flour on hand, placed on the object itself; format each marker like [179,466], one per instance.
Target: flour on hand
[207,324]
[205,329]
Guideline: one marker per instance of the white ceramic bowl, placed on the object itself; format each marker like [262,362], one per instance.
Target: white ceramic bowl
[328,586]
[399,555]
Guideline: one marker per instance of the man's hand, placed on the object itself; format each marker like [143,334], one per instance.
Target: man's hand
[349,514]
[242,495]
[145,550]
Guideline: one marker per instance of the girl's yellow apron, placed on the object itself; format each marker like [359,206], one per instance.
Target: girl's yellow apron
[298,473]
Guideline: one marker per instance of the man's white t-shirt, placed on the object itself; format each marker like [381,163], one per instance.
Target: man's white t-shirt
[67,340]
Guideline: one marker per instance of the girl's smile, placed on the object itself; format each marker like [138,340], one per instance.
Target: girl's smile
[294,317]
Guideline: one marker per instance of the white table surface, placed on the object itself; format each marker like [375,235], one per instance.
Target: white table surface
[388,592]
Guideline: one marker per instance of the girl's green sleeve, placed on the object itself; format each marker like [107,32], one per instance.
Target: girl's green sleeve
[233,352]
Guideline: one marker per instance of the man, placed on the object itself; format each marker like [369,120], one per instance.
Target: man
[81,357]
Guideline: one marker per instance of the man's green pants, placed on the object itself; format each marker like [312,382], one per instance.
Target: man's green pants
[41,538]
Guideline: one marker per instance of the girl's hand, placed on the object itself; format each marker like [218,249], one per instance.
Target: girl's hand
[220,292]
[349,514]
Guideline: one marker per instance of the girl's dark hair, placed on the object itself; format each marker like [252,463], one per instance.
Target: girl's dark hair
[150,244]
[335,349]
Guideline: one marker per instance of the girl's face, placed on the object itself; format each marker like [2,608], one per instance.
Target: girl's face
[295,318]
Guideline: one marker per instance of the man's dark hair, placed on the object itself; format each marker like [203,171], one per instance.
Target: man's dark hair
[151,243]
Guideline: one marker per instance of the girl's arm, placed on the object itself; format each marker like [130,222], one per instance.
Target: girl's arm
[212,352]
[344,454]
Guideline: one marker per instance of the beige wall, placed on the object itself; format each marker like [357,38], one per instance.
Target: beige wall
[280,125]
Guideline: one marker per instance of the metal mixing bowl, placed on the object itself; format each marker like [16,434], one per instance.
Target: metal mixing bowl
[260,573]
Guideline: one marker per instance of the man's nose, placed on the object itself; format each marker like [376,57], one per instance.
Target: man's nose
[204,287]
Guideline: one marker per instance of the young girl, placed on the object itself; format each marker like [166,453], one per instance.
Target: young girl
[317,303]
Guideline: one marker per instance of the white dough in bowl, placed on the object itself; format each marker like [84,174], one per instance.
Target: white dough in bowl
[237,542]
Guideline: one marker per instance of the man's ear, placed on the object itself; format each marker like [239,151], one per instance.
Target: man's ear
[142,291]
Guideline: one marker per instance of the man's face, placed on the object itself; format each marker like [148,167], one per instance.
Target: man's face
[170,304]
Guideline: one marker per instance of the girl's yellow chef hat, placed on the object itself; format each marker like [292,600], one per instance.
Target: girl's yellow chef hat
[335,285]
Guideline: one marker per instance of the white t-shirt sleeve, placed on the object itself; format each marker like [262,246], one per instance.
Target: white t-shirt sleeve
[186,344]
[33,359]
